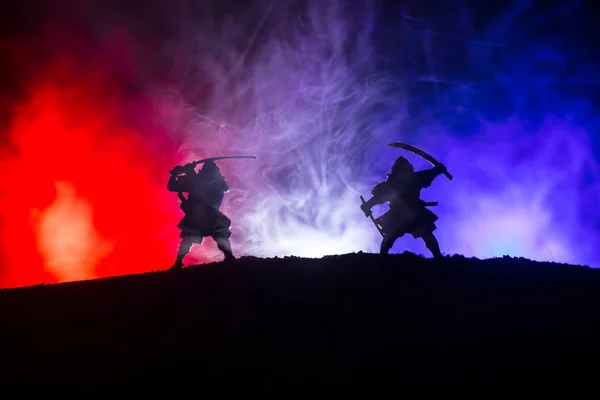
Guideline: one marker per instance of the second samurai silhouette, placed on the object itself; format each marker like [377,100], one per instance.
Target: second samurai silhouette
[407,214]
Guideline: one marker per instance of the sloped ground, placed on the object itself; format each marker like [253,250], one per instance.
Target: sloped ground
[292,319]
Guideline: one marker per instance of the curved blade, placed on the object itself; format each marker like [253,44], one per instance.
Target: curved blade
[195,163]
[421,153]
[224,158]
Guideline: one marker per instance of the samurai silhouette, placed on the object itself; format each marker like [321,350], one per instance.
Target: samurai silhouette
[206,189]
[407,214]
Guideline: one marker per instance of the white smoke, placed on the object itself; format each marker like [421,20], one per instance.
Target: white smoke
[298,87]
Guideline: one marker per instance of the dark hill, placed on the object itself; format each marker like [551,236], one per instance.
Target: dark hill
[293,319]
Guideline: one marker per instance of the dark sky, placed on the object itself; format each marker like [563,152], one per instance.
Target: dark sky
[402,33]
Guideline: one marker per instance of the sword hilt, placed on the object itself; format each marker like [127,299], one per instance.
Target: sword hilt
[370,215]
[363,201]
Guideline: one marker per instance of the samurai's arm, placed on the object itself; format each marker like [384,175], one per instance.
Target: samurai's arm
[425,177]
[175,184]
[380,194]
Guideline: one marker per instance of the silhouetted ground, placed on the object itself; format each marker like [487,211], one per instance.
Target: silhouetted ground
[351,317]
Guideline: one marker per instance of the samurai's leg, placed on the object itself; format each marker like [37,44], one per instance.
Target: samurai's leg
[388,242]
[224,244]
[432,244]
[187,241]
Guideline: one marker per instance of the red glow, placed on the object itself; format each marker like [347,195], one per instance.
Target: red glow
[83,189]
